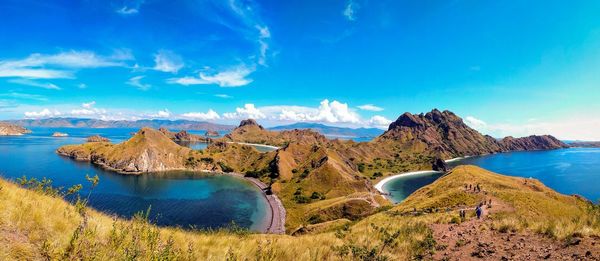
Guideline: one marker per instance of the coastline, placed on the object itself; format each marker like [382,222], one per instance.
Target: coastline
[381,183]
[276,225]
[456,159]
[255,144]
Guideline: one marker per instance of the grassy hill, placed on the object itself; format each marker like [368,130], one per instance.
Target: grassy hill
[37,225]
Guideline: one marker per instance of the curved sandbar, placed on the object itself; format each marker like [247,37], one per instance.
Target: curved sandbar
[276,224]
[456,159]
[380,184]
[255,145]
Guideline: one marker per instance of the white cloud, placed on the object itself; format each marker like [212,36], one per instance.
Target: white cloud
[36,65]
[233,77]
[224,96]
[28,82]
[210,115]
[329,112]
[82,86]
[131,9]
[136,82]
[475,123]
[350,10]
[167,61]
[370,107]
[248,112]
[42,114]
[88,105]
[163,114]
[380,122]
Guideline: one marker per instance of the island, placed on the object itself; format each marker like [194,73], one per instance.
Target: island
[9,129]
[59,134]
[97,138]
[318,180]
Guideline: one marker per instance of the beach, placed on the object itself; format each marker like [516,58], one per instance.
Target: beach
[380,184]
[256,145]
[275,221]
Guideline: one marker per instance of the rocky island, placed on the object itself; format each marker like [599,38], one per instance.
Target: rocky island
[97,138]
[9,129]
[59,134]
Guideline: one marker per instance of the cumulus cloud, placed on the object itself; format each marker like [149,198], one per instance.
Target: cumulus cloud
[210,115]
[162,114]
[370,107]
[42,114]
[247,112]
[328,112]
[380,122]
[167,61]
[60,65]
[232,77]
[136,81]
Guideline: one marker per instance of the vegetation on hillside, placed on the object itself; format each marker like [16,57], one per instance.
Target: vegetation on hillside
[39,225]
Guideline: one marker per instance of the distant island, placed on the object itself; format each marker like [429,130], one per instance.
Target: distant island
[95,123]
[8,129]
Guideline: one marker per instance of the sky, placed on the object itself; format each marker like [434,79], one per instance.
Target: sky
[507,67]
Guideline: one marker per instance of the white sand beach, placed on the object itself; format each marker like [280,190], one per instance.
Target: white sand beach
[380,184]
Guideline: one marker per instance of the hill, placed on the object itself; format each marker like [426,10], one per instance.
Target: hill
[445,135]
[332,131]
[526,221]
[95,123]
[8,129]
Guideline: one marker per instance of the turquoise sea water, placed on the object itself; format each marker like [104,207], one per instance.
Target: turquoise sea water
[568,171]
[185,199]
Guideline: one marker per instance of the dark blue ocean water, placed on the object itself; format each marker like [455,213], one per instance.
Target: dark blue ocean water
[177,198]
[568,171]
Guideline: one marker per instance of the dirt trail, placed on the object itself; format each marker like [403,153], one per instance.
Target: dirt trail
[475,240]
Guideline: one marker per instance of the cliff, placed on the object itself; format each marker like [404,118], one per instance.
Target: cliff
[8,129]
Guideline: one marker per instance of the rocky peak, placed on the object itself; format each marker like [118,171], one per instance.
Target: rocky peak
[406,120]
[249,122]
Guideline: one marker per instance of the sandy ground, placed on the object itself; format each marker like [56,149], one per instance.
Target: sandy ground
[379,185]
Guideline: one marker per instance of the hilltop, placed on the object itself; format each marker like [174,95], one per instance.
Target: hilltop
[445,135]
[8,129]
[526,220]
[96,123]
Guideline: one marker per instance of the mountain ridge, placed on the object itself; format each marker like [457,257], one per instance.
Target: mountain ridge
[96,123]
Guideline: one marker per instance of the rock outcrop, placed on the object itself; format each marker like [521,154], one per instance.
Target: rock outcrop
[183,136]
[211,133]
[97,138]
[8,129]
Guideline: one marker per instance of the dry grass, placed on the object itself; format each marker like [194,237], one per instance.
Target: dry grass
[35,226]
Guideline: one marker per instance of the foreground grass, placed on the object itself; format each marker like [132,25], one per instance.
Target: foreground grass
[37,226]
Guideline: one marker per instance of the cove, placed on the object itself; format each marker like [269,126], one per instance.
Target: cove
[568,171]
[184,199]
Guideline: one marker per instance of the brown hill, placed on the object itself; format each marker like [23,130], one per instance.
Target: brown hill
[182,136]
[445,135]
[9,129]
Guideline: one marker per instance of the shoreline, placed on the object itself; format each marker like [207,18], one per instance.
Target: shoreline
[457,159]
[255,144]
[276,225]
[381,183]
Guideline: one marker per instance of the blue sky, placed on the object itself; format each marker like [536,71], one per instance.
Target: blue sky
[507,67]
